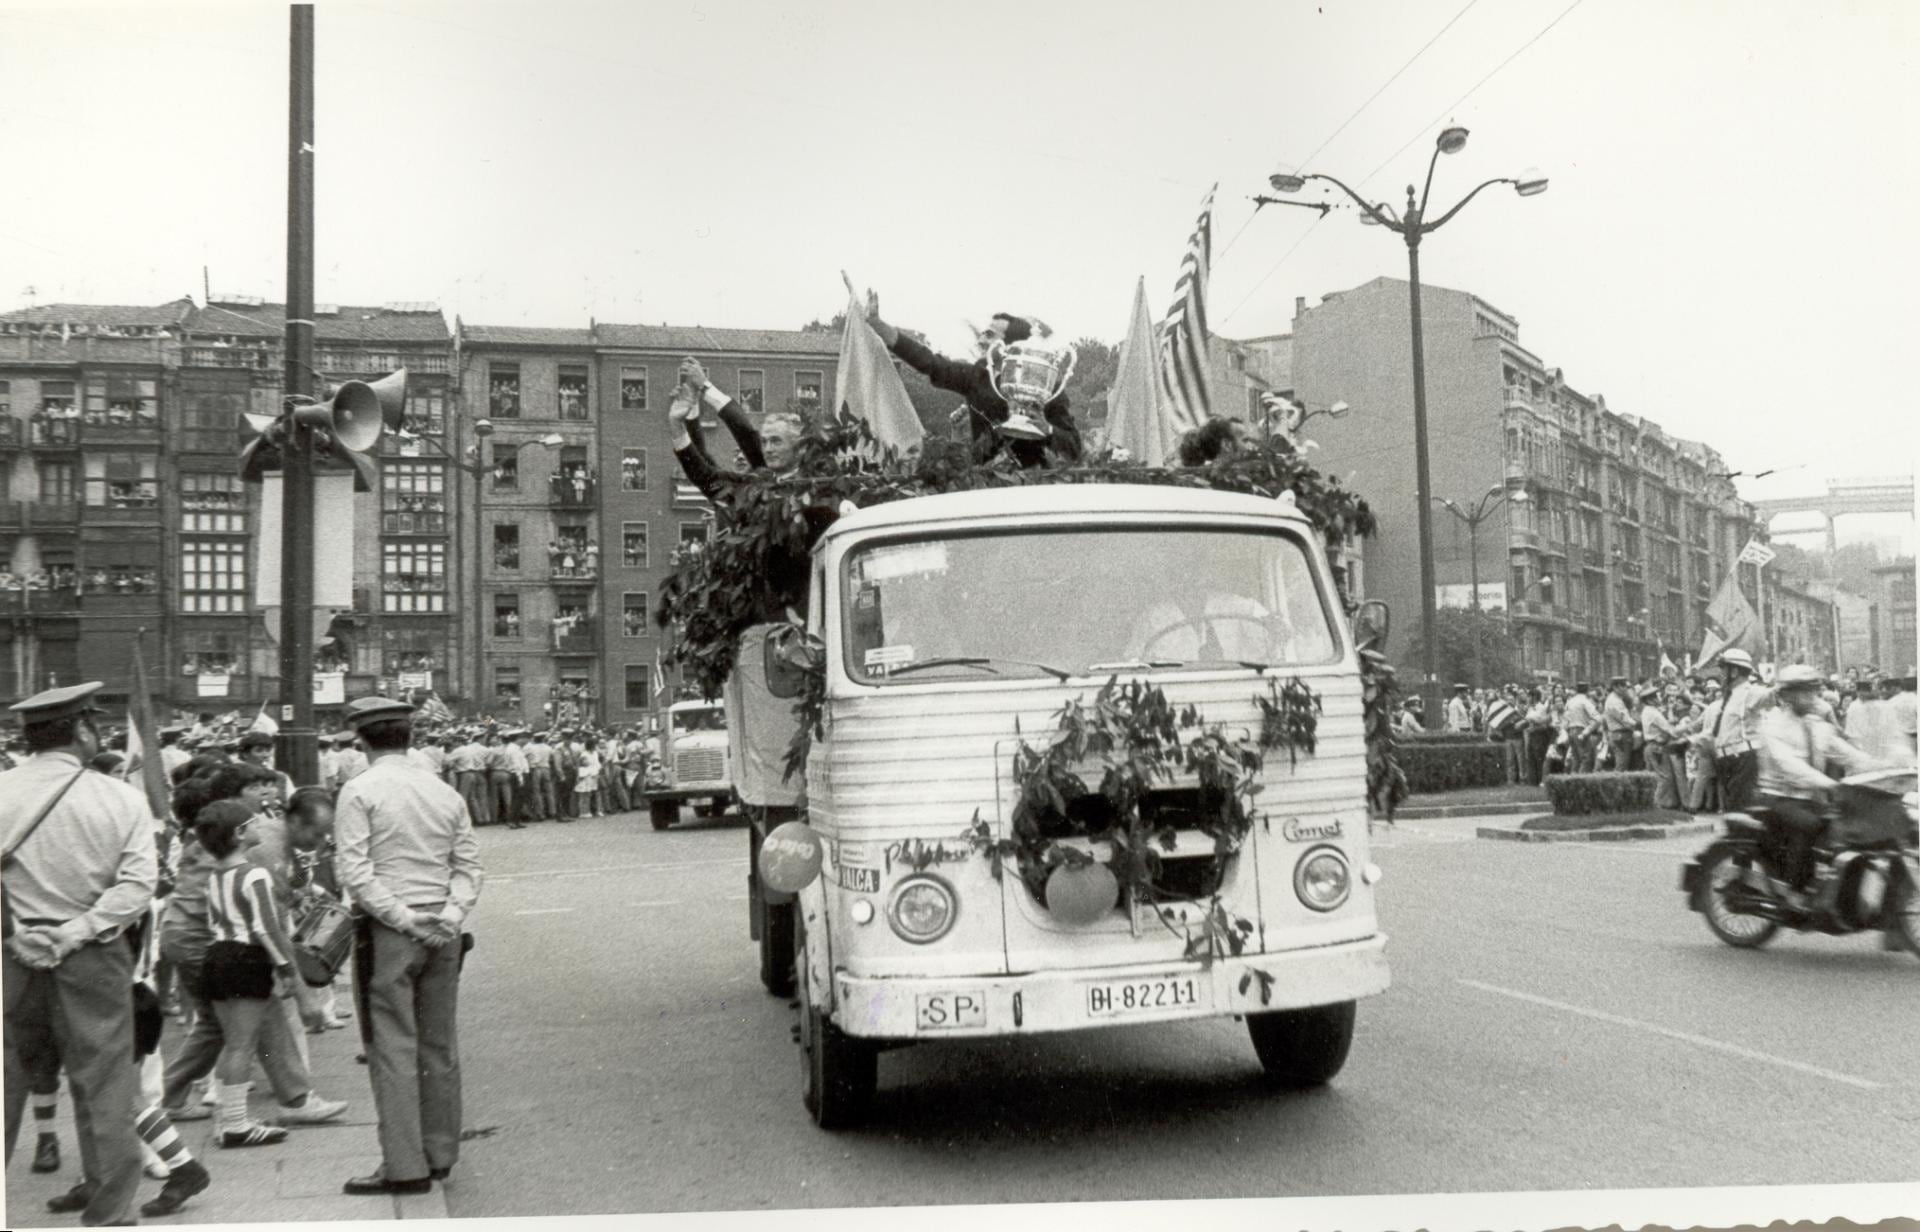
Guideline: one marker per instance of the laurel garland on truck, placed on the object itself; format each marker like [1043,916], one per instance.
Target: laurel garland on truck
[754,569]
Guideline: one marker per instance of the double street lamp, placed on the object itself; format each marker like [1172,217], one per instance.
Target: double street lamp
[1491,502]
[1411,227]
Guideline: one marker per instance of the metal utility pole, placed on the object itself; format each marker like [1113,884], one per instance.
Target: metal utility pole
[298,754]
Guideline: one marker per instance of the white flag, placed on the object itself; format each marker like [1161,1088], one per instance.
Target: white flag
[869,386]
[1756,553]
[1136,419]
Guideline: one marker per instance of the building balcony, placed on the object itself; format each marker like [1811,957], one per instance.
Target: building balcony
[256,358]
[1519,538]
[1589,558]
[49,513]
[120,426]
[1586,496]
[579,638]
[1519,396]
[584,572]
[1629,568]
[50,430]
[1553,547]
[423,519]
[13,432]
[565,493]
[1517,470]
[38,596]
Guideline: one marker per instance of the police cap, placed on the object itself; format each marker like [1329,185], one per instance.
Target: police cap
[365,710]
[56,704]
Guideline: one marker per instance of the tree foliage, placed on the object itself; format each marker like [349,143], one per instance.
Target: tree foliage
[1454,629]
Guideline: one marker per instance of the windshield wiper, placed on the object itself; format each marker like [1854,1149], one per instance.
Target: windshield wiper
[984,662]
[1134,664]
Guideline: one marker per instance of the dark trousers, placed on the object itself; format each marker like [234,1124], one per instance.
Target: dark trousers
[81,1014]
[1539,740]
[196,1055]
[1738,776]
[413,997]
[563,781]
[500,786]
[473,789]
[1796,825]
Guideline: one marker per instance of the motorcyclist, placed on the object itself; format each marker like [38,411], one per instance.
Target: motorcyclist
[1795,742]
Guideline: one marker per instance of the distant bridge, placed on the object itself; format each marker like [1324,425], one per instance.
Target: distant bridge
[1843,497]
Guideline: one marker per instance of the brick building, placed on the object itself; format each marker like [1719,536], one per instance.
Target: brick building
[1894,597]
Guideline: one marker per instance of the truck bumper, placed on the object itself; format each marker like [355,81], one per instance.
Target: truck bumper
[956,1006]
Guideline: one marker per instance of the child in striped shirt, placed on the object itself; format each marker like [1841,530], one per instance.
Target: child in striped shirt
[248,962]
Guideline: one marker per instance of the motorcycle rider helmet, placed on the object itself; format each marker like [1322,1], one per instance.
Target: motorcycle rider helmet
[1797,676]
[1737,658]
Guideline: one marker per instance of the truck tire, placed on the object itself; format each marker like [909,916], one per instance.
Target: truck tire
[840,1072]
[663,812]
[1303,1048]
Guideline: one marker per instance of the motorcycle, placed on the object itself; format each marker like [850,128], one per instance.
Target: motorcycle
[1866,870]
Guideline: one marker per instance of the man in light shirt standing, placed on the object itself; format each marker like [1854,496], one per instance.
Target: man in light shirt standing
[539,800]
[1736,730]
[407,856]
[468,764]
[513,751]
[1581,722]
[81,869]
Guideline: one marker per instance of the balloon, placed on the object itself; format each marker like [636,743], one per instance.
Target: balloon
[1082,895]
[790,858]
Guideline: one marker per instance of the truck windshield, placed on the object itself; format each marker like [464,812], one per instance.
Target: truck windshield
[684,721]
[1086,601]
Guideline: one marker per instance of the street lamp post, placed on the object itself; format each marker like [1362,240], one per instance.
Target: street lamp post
[1412,227]
[1490,503]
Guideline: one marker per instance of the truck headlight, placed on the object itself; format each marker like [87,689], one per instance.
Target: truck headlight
[922,909]
[1321,879]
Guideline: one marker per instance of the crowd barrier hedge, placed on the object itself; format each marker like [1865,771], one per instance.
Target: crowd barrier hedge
[1576,795]
[1447,765]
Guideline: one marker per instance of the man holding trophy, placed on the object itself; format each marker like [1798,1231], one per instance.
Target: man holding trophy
[1014,390]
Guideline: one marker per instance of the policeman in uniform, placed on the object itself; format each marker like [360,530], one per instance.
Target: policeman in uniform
[406,854]
[73,885]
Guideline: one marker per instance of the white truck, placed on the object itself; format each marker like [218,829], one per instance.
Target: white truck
[694,762]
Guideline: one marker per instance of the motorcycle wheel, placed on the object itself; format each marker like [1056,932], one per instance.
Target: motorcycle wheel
[1720,872]
[1906,915]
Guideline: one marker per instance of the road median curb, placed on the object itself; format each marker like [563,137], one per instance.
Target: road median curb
[1598,834]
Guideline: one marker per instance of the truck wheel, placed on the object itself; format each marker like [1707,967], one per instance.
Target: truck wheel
[663,812]
[1303,1048]
[840,1071]
[776,947]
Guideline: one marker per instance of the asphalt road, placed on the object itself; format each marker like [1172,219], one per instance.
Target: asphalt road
[1558,1021]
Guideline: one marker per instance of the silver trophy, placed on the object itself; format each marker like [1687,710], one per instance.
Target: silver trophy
[1029,374]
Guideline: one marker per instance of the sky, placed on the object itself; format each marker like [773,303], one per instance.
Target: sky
[1719,250]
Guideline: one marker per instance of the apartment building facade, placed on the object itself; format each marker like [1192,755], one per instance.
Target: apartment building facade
[1624,534]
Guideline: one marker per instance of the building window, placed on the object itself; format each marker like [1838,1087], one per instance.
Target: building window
[213,575]
[59,483]
[506,615]
[572,554]
[122,402]
[6,397]
[122,481]
[573,393]
[413,498]
[427,412]
[121,577]
[413,651]
[503,391]
[633,470]
[806,386]
[213,503]
[633,389]
[639,687]
[413,577]
[506,687]
[506,546]
[212,654]
[694,532]
[633,544]
[633,614]
[752,391]
[506,468]
[57,398]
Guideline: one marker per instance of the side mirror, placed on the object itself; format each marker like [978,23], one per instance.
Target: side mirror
[1371,624]
[791,654]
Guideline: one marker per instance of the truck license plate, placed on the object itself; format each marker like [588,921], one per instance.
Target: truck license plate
[943,1011]
[1121,997]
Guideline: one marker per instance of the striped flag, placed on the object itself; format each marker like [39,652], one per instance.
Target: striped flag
[434,710]
[1183,335]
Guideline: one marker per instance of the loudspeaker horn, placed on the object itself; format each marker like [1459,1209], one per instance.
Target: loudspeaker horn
[392,392]
[354,416]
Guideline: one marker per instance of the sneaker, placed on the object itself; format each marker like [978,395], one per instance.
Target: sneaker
[314,1111]
[46,1153]
[187,1180]
[252,1135]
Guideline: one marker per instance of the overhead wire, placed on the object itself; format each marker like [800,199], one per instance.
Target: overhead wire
[1356,113]
[1422,131]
